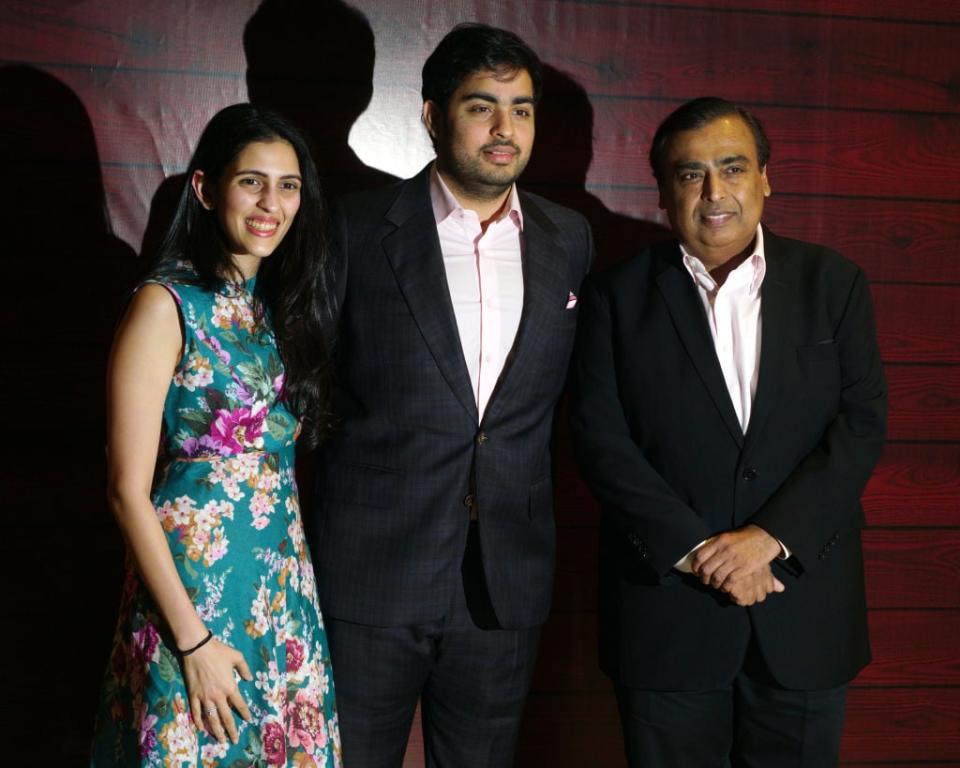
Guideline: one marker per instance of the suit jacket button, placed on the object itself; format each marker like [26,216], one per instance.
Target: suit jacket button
[468,500]
[482,438]
[750,474]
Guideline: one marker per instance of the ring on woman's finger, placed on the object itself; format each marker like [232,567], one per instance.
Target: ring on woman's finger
[210,711]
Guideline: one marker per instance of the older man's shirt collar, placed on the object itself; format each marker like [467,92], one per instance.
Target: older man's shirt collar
[748,275]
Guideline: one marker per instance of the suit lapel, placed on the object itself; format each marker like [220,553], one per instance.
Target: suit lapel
[775,304]
[544,274]
[686,310]
[413,250]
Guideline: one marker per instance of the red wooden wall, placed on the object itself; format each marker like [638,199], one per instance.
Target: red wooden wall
[101,100]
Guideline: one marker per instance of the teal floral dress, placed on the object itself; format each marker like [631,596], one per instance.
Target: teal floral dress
[226,497]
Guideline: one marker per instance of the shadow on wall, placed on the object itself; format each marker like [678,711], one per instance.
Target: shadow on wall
[560,162]
[311,61]
[65,276]
[558,170]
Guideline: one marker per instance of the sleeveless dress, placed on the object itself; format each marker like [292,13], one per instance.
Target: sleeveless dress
[226,497]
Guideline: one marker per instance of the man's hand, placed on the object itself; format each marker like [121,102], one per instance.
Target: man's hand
[738,563]
[753,589]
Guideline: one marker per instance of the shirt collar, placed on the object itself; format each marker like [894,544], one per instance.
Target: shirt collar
[445,204]
[751,272]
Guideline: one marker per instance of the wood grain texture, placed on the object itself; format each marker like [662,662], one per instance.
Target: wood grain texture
[906,724]
[876,65]
[861,100]
[918,323]
[924,402]
[643,45]
[883,726]
[912,568]
[906,568]
[937,11]
[893,240]
[915,484]
[143,35]
[911,648]
[890,156]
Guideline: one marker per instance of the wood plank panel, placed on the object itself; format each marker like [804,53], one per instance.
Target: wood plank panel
[141,34]
[764,59]
[913,648]
[924,402]
[150,118]
[943,11]
[906,239]
[154,34]
[918,323]
[911,568]
[900,726]
[915,484]
[668,52]
[905,724]
[893,240]
[894,155]
[910,648]
[648,44]
[905,568]
[881,155]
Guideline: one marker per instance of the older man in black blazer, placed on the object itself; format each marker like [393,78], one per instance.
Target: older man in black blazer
[434,532]
[729,405]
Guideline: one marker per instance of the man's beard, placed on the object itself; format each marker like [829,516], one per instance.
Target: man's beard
[480,179]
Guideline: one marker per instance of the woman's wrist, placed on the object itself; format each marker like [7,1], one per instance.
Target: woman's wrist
[191,633]
[197,646]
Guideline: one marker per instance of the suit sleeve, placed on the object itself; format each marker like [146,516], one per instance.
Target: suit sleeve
[820,498]
[658,523]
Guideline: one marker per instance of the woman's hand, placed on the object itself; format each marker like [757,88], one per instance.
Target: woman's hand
[212,688]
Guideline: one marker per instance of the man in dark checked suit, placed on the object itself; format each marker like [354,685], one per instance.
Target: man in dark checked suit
[728,407]
[434,531]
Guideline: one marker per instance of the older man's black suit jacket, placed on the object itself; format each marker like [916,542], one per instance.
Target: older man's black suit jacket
[659,443]
[391,521]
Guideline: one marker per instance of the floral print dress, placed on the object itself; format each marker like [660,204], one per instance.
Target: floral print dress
[226,497]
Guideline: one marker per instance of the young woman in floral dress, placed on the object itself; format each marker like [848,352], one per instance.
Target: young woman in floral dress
[220,657]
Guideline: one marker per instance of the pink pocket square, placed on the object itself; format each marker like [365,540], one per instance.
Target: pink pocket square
[571,300]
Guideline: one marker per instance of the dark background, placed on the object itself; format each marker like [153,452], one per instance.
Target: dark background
[101,100]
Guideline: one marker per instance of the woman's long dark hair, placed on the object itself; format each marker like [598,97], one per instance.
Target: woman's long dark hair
[290,281]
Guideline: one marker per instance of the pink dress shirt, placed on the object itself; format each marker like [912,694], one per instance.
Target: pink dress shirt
[733,314]
[485,278]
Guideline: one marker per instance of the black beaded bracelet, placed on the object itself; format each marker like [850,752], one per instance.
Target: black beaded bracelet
[198,646]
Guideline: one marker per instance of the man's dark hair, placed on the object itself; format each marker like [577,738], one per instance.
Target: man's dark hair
[694,115]
[470,48]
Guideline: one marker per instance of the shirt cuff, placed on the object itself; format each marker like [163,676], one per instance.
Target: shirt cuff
[685,563]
